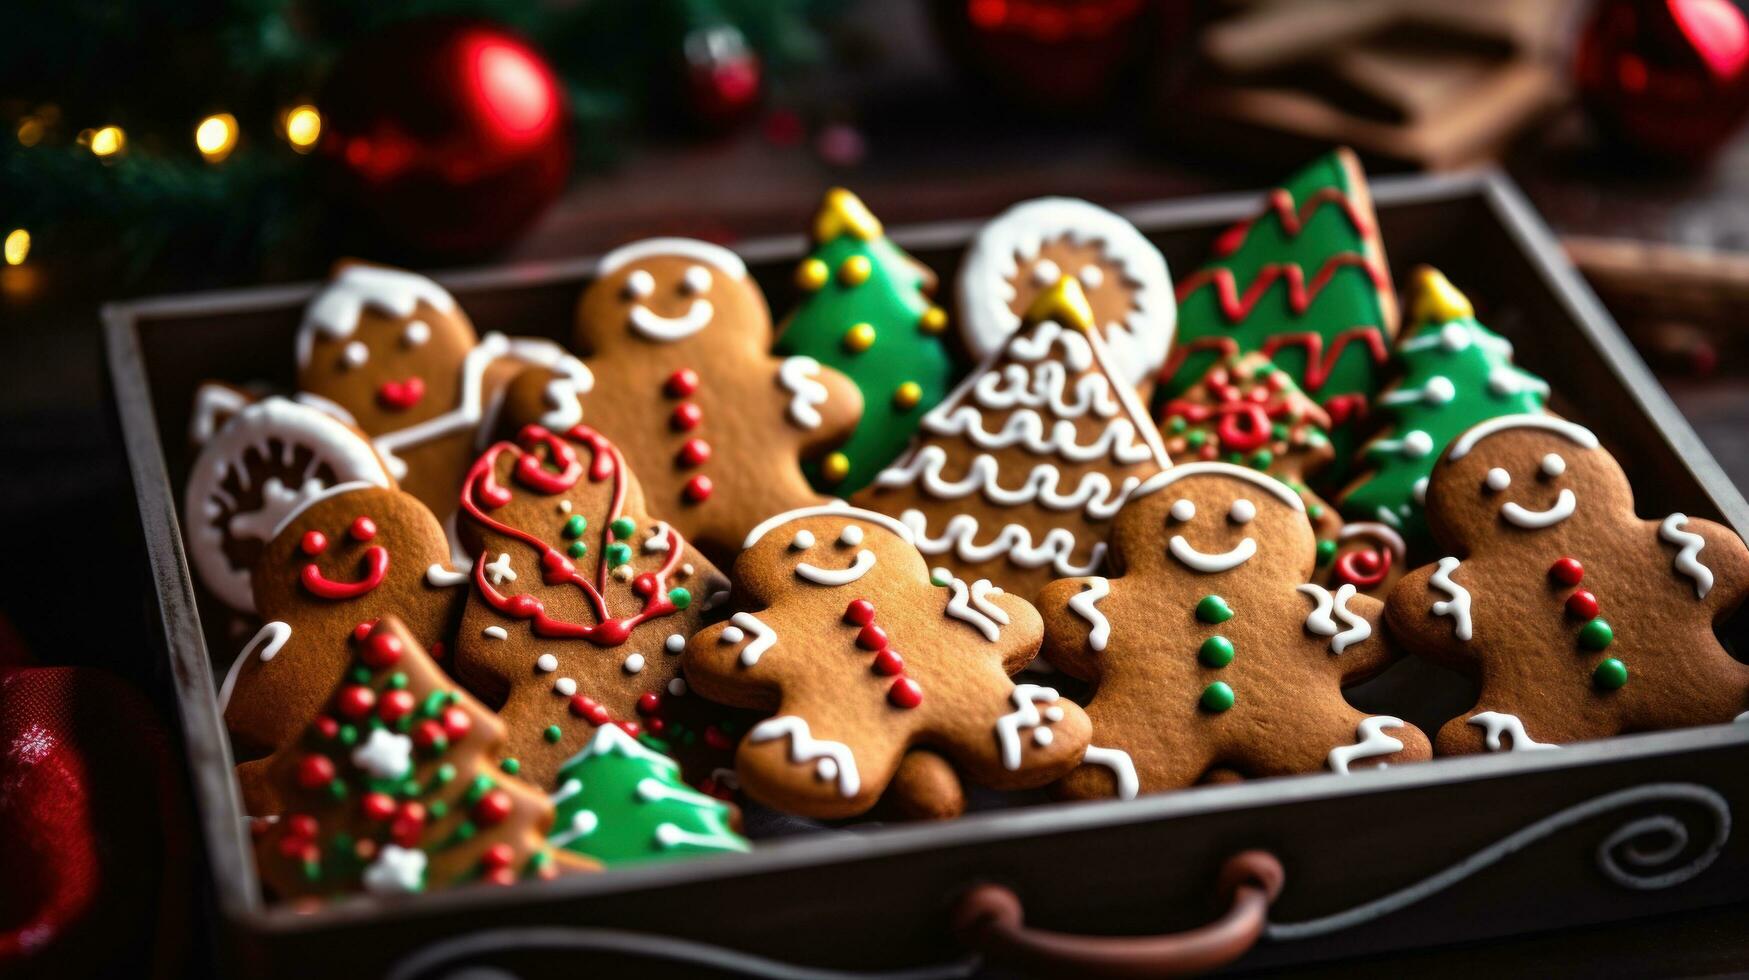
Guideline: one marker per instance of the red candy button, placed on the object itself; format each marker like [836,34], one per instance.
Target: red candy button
[315,771]
[698,489]
[381,650]
[686,416]
[860,612]
[872,637]
[1582,605]
[1567,571]
[314,543]
[694,452]
[887,663]
[681,383]
[905,693]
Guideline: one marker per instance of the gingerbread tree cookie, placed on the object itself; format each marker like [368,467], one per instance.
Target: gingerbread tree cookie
[1456,373]
[581,600]
[1016,475]
[1578,619]
[1026,249]
[841,633]
[714,426]
[393,352]
[1209,651]
[395,788]
[866,311]
[350,556]
[1306,283]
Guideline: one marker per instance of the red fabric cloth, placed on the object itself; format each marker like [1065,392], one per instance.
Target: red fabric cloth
[93,838]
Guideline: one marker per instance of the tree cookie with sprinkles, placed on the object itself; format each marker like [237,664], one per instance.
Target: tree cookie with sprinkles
[1209,651]
[581,600]
[1578,619]
[841,634]
[349,556]
[1015,476]
[714,425]
[1026,249]
[1305,281]
[392,352]
[866,310]
[396,787]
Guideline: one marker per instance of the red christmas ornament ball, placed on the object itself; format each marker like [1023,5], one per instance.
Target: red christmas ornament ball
[452,134]
[1667,77]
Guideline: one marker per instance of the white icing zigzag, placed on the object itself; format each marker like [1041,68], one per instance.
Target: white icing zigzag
[1122,767]
[1458,608]
[833,760]
[1687,560]
[1013,542]
[1085,605]
[799,375]
[988,617]
[1094,494]
[1027,697]
[1320,622]
[267,640]
[1025,427]
[1497,723]
[1370,742]
[1043,387]
[764,637]
[1077,352]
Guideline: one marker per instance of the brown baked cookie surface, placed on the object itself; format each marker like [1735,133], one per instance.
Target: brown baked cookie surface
[841,632]
[1209,652]
[679,339]
[1579,619]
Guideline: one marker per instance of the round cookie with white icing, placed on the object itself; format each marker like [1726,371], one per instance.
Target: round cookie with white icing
[840,633]
[713,424]
[580,604]
[1578,618]
[1209,651]
[1026,249]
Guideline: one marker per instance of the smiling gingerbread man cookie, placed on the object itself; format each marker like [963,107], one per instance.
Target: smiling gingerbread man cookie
[712,423]
[841,634]
[1579,619]
[1209,651]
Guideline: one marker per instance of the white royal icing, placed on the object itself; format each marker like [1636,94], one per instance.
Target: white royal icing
[1094,494]
[799,376]
[336,310]
[1370,742]
[439,577]
[1687,559]
[833,761]
[1497,723]
[1575,433]
[1013,542]
[1458,606]
[864,563]
[499,570]
[1027,698]
[1383,532]
[384,754]
[1535,520]
[1122,767]
[397,870]
[1319,621]
[1086,605]
[267,641]
[836,508]
[763,636]
[972,604]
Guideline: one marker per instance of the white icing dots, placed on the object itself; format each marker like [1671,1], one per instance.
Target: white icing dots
[803,540]
[677,687]
[546,663]
[675,643]
[696,280]
[495,632]
[1045,273]
[851,536]
[1454,336]
[640,284]
[1417,444]
[634,664]
[1043,737]
[415,333]
[1438,390]
[1242,511]
[355,354]
[1554,465]
[1091,276]
[1498,479]
[1183,510]
[732,634]
[565,686]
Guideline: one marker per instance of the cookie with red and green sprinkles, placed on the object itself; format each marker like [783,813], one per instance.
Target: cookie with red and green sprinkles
[581,599]
[401,784]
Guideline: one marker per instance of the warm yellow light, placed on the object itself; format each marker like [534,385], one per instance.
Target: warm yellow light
[30,131]
[216,136]
[17,246]
[108,141]
[303,127]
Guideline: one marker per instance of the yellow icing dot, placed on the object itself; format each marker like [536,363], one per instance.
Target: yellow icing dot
[908,395]
[854,270]
[860,337]
[836,467]
[934,320]
[811,275]
[1064,303]
[1436,299]
[844,213]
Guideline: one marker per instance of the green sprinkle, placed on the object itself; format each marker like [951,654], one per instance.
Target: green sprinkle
[688,737]
[312,871]
[337,789]
[398,680]
[1217,696]
[1596,635]
[1176,424]
[1280,431]
[342,842]
[1213,609]
[1315,438]
[510,766]
[376,723]
[618,554]
[575,525]
[481,785]
[411,788]
[1261,459]
[1236,458]
[552,734]
[348,735]
[360,675]
[404,724]
[440,744]
[577,549]
[1314,511]
[1611,674]
[432,704]
[1195,439]
[680,597]
[437,809]
[464,830]
[623,528]
[444,774]
[1216,651]
[539,860]
[1326,551]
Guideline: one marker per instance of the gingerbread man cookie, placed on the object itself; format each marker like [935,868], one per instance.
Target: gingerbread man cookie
[840,632]
[395,787]
[1026,249]
[350,556]
[1209,651]
[714,426]
[1016,475]
[581,600]
[392,352]
[1579,619]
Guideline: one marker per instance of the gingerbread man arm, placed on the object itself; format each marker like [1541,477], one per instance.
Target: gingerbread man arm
[1351,621]
[1075,624]
[1429,613]
[1000,618]
[722,662]
[820,401]
[1709,558]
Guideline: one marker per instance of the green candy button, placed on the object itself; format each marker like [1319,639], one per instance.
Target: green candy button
[1596,635]
[1216,651]
[575,526]
[1611,674]
[1213,609]
[1217,696]
[623,528]
[1326,551]
[618,554]
[577,549]
[680,597]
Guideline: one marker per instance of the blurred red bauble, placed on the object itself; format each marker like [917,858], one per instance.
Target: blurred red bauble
[1667,77]
[723,77]
[452,134]
[1050,54]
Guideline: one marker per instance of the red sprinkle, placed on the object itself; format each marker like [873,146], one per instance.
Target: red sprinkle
[355,701]
[456,722]
[714,737]
[492,808]
[315,771]
[327,727]
[656,726]
[872,637]
[361,632]
[631,728]
[497,856]
[686,417]
[888,663]
[905,693]
[382,650]
[378,806]
[314,543]
[694,452]
[698,489]
[300,825]
[363,528]
[406,832]
[1567,571]
[1582,605]
[860,612]
[395,705]
[294,848]
[681,383]
[649,703]
[427,734]
[499,876]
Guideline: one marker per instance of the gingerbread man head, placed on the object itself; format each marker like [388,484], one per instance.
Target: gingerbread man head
[665,291]
[1221,522]
[1510,478]
[843,633]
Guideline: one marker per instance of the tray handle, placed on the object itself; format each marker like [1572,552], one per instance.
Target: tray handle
[991,919]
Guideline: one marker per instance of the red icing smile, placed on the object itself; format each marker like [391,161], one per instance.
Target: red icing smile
[376,557]
[401,395]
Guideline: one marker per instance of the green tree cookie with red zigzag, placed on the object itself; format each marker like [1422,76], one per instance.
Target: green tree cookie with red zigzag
[621,803]
[1456,373]
[1306,283]
[866,310]
[1577,618]
[395,787]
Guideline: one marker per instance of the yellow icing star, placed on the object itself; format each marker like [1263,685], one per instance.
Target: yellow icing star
[1065,303]
[854,270]
[842,212]
[859,337]
[836,467]
[811,275]
[908,395]
[1437,300]
[934,320]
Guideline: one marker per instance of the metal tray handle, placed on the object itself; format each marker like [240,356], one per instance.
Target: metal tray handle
[991,919]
